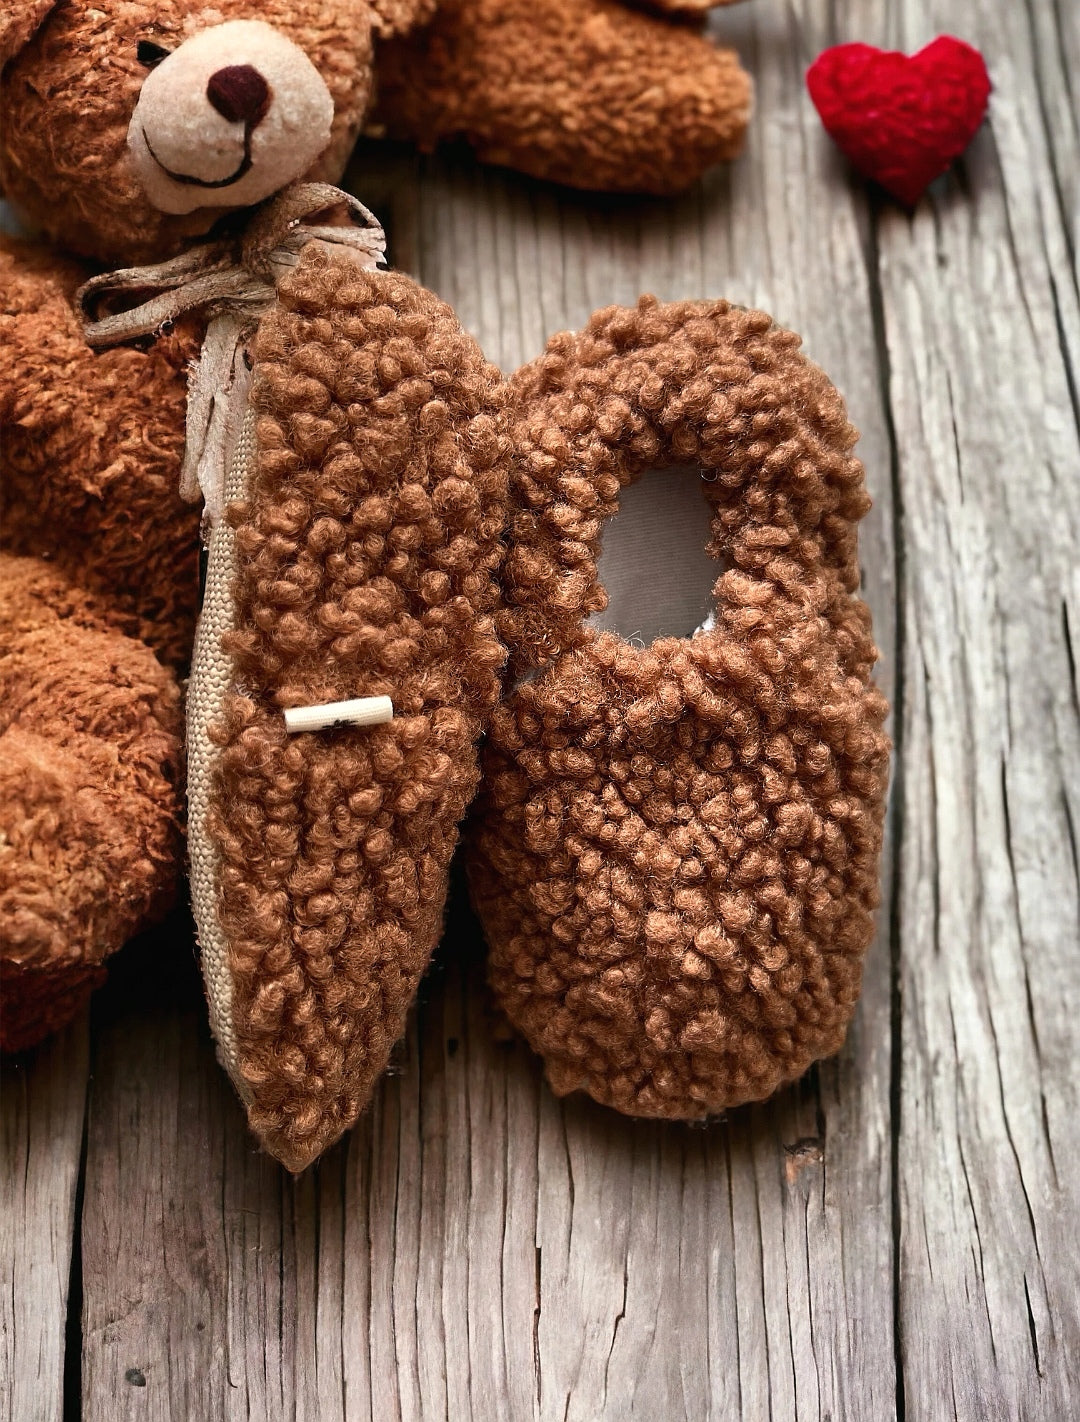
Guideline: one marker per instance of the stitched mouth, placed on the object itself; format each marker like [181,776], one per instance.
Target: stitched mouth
[186,178]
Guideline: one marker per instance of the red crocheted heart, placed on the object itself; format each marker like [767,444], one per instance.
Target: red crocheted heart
[901,119]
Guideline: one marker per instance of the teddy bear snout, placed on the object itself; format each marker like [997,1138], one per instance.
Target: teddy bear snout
[230,116]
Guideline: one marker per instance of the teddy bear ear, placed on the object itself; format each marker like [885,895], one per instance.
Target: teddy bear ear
[19,20]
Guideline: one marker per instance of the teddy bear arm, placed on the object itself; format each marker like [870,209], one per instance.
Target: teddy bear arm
[584,92]
[90,803]
[91,445]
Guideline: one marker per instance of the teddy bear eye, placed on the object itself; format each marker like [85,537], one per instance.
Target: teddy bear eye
[149,53]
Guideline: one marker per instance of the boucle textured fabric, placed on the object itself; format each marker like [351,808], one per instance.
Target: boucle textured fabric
[367,552]
[675,852]
[584,92]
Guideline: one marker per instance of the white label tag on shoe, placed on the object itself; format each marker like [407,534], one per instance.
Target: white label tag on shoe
[363,711]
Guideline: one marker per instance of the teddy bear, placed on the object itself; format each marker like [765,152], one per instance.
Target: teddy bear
[126,133]
[592,93]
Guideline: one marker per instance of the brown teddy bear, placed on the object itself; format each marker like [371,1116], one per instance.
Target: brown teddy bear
[587,92]
[126,132]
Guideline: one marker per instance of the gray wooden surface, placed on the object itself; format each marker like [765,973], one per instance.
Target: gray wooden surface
[897,1235]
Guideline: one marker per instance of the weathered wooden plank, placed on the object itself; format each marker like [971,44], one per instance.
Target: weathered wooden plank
[1054,28]
[981,322]
[155,1306]
[42,1105]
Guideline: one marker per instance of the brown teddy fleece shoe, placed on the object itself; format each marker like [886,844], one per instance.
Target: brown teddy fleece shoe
[357,559]
[675,852]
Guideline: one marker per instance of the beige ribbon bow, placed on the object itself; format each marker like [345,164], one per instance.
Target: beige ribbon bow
[234,282]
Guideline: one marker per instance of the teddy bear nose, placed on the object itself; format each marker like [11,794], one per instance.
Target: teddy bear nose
[239,93]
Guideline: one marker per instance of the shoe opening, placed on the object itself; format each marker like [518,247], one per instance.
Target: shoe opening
[653,564]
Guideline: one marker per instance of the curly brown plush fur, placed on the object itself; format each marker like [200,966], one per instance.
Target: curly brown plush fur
[675,853]
[368,548]
[579,91]
[90,806]
[593,93]
[68,95]
[106,576]
[91,445]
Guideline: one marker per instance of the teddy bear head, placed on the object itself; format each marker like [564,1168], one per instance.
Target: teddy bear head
[129,127]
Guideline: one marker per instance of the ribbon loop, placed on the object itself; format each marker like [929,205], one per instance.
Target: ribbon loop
[279,231]
[233,281]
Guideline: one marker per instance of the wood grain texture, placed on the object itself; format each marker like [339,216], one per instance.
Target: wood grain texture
[982,328]
[42,1107]
[893,1236]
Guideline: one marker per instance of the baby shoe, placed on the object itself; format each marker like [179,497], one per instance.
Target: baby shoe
[351,579]
[675,851]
